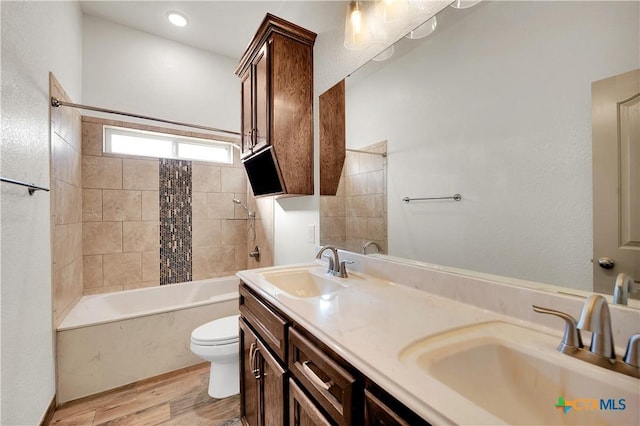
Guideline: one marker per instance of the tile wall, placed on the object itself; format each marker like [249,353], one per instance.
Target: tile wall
[121,215]
[66,204]
[358,211]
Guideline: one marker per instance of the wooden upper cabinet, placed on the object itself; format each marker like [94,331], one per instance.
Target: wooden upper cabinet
[276,72]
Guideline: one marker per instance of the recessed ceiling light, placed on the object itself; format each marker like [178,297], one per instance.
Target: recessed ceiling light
[177,19]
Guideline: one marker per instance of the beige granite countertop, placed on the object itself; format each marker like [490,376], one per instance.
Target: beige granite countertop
[372,320]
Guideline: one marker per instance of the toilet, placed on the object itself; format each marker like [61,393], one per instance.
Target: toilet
[217,342]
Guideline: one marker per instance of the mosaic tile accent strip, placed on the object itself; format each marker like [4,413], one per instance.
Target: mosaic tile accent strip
[175,221]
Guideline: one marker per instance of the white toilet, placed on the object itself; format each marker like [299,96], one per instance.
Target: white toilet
[217,342]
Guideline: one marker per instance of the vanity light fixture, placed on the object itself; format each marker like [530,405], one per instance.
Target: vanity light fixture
[394,10]
[384,55]
[423,30]
[464,4]
[357,34]
[177,18]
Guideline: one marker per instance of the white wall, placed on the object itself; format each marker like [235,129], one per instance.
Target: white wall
[132,71]
[293,216]
[37,37]
[497,108]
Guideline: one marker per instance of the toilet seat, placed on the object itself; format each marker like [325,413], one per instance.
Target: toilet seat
[223,331]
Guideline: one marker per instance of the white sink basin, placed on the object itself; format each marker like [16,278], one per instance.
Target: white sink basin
[516,374]
[304,282]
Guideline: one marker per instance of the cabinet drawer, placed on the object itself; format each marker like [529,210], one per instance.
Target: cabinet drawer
[302,411]
[383,410]
[271,326]
[332,386]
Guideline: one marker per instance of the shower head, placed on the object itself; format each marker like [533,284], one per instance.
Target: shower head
[240,203]
[244,206]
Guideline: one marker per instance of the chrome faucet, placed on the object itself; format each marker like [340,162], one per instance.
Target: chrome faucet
[336,268]
[622,288]
[595,317]
[369,244]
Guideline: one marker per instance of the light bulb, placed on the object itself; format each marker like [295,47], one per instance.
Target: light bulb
[177,19]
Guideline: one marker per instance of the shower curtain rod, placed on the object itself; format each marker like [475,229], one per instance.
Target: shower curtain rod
[55,102]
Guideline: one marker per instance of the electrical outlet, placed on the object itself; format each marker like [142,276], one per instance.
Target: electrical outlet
[311,234]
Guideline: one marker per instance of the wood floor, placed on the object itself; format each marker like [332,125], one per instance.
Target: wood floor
[178,398]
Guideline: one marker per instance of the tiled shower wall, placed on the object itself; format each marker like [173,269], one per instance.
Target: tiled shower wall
[121,215]
[358,211]
[66,204]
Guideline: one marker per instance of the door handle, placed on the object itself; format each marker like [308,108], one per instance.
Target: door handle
[606,263]
[253,360]
[256,363]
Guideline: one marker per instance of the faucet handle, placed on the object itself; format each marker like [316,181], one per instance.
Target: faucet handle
[571,341]
[632,355]
[343,268]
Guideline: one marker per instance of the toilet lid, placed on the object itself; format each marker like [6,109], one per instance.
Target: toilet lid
[222,331]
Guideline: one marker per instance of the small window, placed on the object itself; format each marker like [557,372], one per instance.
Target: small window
[119,140]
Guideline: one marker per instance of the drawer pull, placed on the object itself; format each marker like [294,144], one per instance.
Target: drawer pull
[314,377]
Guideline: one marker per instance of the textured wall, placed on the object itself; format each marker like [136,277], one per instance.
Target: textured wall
[66,204]
[37,38]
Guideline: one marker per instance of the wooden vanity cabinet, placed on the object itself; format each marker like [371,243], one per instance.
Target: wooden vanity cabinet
[288,376]
[262,381]
[276,74]
[263,375]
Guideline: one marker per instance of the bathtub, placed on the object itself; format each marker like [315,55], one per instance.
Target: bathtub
[110,340]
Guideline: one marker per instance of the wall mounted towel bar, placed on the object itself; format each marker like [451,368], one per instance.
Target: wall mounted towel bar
[455,197]
[382,154]
[30,186]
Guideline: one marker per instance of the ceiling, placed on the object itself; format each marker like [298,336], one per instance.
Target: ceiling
[223,27]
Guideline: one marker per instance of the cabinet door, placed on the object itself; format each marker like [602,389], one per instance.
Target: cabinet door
[249,409]
[261,98]
[246,114]
[272,388]
[302,412]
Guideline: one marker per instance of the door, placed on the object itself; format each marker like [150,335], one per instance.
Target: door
[247,113]
[262,382]
[262,96]
[272,387]
[248,383]
[615,116]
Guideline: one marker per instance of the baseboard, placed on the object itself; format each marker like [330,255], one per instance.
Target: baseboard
[48,415]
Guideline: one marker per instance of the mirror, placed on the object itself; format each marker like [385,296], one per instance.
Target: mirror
[495,105]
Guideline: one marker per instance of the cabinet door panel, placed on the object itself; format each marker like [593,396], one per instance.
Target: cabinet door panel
[272,388]
[248,384]
[246,114]
[262,96]
[302,412]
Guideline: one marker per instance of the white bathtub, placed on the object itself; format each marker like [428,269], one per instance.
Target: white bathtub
[110,340]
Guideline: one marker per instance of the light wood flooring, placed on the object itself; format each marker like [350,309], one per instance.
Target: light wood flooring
[178,398]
